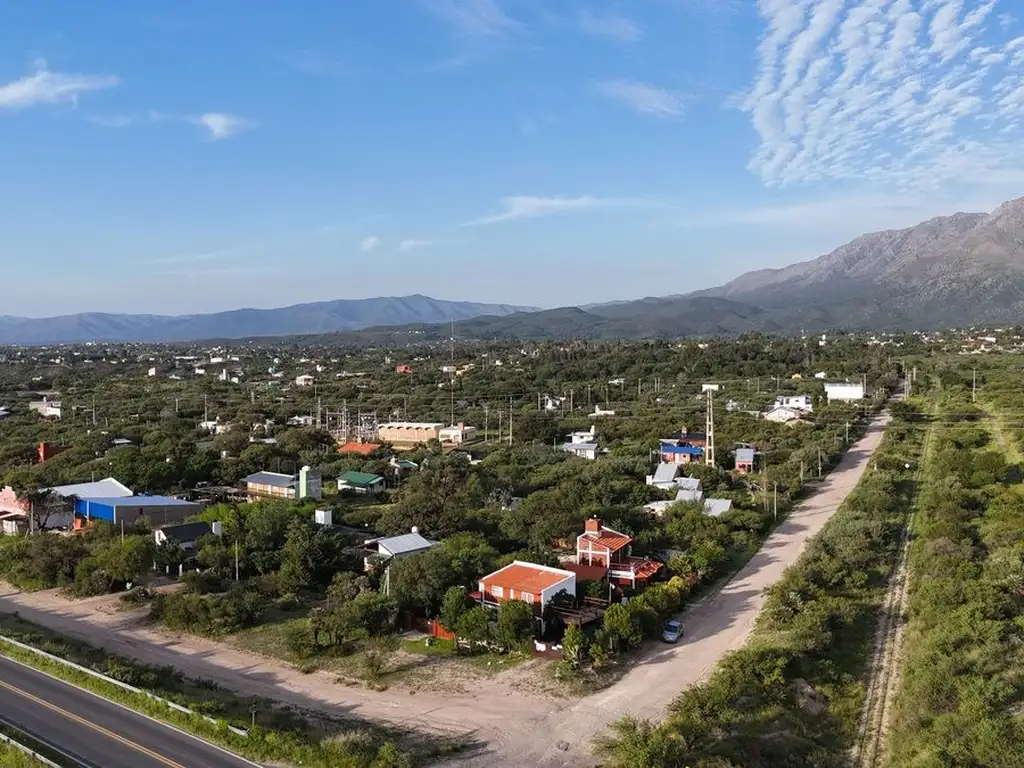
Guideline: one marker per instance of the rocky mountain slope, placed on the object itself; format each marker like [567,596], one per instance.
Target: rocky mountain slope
[319,317]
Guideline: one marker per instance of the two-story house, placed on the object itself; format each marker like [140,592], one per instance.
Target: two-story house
[608,548]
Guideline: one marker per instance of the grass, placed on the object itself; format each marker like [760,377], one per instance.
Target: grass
[12,757]
[15,758]
[282,735]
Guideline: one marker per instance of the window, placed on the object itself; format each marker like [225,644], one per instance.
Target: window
[526,597]
[497,591]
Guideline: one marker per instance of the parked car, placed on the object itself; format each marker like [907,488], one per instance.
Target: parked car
[673,631]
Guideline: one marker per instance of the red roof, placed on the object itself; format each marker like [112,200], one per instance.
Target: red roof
[586,572]
[526,577]
[646,569]
[606,537]
[363,449]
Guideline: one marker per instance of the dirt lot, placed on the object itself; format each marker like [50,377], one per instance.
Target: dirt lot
[519,724]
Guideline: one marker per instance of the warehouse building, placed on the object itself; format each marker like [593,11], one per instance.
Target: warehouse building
[408,432]
[159,510]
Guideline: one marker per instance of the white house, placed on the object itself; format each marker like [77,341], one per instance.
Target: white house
[782,414]
[305,380]
[843,391]
[803,402]
[457,434]
[583,444]
[664,476]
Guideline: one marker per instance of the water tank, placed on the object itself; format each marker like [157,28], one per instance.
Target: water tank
[415,529]
[216,527]
[322,516]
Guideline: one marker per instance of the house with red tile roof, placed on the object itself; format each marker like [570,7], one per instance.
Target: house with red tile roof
[529,582]
[599,545]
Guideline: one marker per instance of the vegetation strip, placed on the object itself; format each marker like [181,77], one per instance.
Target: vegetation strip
[962,689]
[291,747]
[792,696]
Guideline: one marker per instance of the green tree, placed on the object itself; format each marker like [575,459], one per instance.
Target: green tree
[515,626]
[454,607]
[622,626]
[574,645]
[474,625]
[297,558]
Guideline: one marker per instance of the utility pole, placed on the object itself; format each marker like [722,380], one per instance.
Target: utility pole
[775,500]
[847,431]
[801,472]
[572,393]
[501,415]
[588,395]
[487,420]
[709,449]
[510,421]
[819,461]
[974,385]
[236,556]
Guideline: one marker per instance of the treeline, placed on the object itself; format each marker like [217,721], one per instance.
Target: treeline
[792,695]
[961,687]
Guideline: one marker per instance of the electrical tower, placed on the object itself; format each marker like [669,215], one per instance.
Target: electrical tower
[367,429]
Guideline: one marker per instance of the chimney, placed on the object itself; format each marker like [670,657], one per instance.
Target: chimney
[415,529]
[593,525]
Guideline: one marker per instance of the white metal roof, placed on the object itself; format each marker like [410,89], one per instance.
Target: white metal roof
[108,488]
[404,544]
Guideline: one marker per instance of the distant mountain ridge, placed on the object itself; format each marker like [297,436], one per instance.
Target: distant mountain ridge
[959,270]
[317,317]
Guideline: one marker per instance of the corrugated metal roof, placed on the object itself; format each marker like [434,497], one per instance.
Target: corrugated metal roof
[665,473]
[717,507]
[108,488]
[275,479]
[361,479]
[688,494]
[140,501]
[688,483]
[686,449]
[404,544]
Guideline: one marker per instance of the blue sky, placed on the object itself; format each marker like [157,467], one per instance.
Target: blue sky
[196,155]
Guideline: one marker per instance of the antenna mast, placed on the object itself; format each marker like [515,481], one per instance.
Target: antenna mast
[709,449]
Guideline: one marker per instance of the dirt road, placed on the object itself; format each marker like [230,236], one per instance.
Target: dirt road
[519,728]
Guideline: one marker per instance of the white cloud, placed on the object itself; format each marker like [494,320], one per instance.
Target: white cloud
[46,87]
[610,26]
[472,18]
[533,207]
[900,92]
[409,245]
[369,243]
[222,253]
[221,125]
[644,98]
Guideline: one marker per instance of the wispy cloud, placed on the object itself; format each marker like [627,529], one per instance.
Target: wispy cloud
[409,245]
[472,18]
[44,86]
[644,98]
[369,243]
[610,26]
[533,207]
[902,93]
[221,125]
[316,63]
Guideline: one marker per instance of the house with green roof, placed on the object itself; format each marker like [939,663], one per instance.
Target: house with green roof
[363,483]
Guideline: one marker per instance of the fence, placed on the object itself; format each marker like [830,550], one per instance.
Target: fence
[12,742]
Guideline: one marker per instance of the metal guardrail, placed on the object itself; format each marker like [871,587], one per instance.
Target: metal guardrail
[118,683]
[12,742]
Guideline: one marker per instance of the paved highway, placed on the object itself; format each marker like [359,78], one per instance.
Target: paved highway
[96,733]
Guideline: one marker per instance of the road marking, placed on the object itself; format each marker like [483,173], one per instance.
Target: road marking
[98,728]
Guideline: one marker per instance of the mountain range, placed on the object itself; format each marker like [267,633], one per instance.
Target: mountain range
[959,270]
[951,271]
[319,317]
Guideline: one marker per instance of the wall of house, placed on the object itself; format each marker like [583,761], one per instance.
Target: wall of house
[569,585]
[274,491]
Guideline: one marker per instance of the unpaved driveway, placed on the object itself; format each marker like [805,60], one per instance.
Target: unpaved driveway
[518,728]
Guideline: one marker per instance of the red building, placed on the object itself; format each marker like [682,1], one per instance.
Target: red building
[605,547]
[403,369]
[47,451]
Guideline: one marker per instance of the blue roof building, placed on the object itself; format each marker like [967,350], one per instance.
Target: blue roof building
[129,509]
